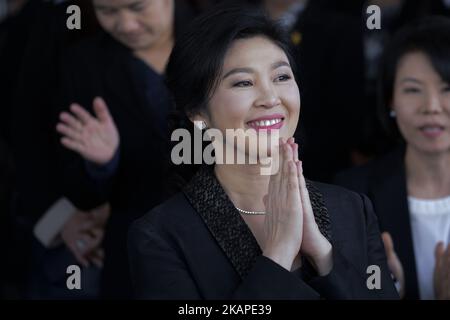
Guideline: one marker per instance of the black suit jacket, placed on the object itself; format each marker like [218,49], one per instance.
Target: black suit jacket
[384,182]
[197,246]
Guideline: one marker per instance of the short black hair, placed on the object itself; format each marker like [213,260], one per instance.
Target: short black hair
[430,36]
[197,58]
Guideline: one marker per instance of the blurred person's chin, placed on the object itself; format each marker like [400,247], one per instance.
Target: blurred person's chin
[137,43]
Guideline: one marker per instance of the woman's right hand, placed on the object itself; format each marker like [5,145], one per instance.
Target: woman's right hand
[283,220]
[96,139]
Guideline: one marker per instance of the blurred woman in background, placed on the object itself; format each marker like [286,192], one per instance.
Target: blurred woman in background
[410,187]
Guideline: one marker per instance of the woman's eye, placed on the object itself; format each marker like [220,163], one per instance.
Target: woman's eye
[411,90]
[242,84]
[107,12]
[283,77]
[137,7]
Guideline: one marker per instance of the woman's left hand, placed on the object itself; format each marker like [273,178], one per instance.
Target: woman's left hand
[315,247]
[441,276]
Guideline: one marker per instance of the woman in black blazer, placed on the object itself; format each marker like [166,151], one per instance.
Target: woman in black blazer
[410,187]
[234,232]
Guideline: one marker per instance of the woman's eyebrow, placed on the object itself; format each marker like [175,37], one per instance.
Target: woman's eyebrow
[274,65]
[238,70]
[411,80]
[280,63]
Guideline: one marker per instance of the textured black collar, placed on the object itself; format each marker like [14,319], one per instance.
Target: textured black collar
[209,199]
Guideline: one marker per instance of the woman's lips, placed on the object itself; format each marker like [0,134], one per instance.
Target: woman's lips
[432,131]
[266,124]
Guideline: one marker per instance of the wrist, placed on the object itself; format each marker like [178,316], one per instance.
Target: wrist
[323,261]
[282,257]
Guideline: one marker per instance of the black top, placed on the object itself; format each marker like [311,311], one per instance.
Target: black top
[197,246]
[384,182]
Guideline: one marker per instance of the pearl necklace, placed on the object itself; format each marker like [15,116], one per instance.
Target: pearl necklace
[251,212]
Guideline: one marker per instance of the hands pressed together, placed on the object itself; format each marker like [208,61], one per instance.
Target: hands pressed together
[290,227]
[83,235]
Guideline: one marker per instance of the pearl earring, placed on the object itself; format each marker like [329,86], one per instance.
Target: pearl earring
[392,114]
[200,124]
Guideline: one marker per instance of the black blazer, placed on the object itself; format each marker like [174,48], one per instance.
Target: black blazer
[197,246]
[384,182]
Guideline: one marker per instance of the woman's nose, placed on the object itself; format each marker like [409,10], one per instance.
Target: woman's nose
[127,23]
[268,98]
[433,104]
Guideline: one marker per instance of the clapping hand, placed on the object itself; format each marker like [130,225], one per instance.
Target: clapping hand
[442,272]
[95,138]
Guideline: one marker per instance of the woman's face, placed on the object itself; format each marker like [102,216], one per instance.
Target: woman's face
[421,101]
[257,89]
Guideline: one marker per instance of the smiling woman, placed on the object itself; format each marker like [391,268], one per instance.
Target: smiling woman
[232,232]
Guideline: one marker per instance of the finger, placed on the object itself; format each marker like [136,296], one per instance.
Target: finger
[68,131]
[447,265]
[285,179]
[91,244]
[96,261]
[100,253]
[97,257]
[74,145]
[101,110]
[304,194]
[438,254]
[388,243]
[97,235]
[277,177]
[290,141]
[295,151]
[292,181]
[71,121]
[78,256]
[265,200]
[81,113]
[87,225]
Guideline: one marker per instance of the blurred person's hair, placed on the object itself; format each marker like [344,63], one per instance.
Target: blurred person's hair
[430,36]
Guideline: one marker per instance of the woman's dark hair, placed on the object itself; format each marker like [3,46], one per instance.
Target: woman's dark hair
[196,61]
[430,36]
